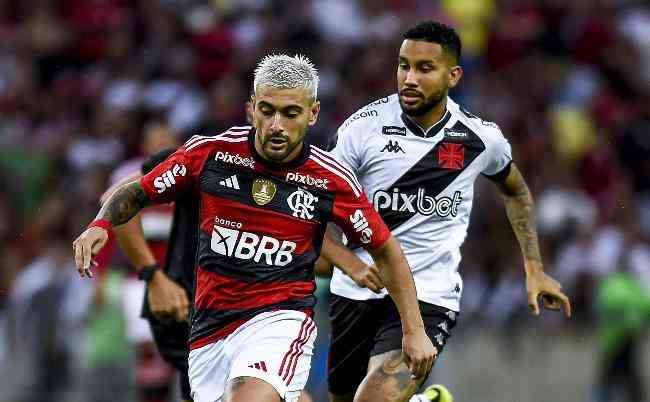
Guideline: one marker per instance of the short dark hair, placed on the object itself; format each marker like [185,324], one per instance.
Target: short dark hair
[436,32]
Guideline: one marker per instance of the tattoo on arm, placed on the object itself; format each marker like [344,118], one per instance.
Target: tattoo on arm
[520,209]
[124,204]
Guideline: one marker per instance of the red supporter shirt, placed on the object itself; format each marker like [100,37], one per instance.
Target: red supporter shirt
[261,225]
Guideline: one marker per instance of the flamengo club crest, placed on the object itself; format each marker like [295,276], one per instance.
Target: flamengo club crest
[451,156]
[302,203]
[263,191]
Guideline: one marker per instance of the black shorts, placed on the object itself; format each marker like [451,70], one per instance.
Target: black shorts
[361,329]
[171,339]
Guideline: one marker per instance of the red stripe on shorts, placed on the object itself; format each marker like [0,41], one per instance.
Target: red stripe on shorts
[290,351]
[297,348]
[297,357]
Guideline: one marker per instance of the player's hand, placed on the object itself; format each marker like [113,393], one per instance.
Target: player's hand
[86,246]
[367,276]
[419,353]
[167,298]
[539,284]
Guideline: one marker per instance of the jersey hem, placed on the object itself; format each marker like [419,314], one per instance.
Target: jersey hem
[453,306]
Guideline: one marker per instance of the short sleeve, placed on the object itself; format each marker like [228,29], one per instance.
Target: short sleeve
[175,175]
[345,149]
[499,155]
[361,224]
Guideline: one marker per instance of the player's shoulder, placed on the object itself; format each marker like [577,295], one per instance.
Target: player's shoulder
[487,130]
[324,165]
[233,135]
[373,114]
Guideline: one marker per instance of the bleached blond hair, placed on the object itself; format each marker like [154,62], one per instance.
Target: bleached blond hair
[284,71]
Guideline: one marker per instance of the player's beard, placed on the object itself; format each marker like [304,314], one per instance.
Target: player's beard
[289,146]
[428,104]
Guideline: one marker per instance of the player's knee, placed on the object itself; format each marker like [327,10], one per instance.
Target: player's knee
[389,380]
[250,389]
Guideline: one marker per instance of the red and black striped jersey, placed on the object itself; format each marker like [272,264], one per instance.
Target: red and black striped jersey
[261,225]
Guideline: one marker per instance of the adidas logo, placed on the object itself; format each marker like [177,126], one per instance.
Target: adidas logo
[259,365]
[230,182]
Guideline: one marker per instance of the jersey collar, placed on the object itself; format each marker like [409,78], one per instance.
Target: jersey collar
[302,158]
[417,130]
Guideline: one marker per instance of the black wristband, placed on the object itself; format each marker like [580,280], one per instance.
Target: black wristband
[146,273]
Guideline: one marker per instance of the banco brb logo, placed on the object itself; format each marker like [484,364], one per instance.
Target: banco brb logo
[231,242]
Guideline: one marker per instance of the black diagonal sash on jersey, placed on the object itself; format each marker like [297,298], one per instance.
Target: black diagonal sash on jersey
[428,173]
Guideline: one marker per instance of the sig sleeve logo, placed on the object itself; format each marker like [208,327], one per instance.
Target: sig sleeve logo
[167,179]
[360,224]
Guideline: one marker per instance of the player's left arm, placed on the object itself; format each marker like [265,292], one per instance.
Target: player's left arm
[521,214]
[334,253]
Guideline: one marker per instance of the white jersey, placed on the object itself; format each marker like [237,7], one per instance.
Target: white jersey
[422,184]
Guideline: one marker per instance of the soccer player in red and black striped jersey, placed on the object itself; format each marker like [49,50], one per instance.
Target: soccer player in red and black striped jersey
[265,199]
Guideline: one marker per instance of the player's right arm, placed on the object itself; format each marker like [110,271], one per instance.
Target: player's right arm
[122,205]
[175,175]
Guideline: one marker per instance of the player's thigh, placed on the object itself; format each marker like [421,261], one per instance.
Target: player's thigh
[250,389]
[354,328]
[276,349]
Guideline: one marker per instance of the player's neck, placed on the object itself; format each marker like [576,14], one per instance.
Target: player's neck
[434,115]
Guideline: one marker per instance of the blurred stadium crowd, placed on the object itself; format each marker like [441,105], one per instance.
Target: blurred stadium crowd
[82,81]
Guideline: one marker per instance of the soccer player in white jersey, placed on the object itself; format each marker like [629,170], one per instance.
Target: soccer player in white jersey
[417,154]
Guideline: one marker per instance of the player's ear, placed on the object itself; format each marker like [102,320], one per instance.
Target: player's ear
[313,113]
[454,75]
[250,110]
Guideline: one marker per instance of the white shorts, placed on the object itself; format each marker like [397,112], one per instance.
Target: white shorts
[275,346]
